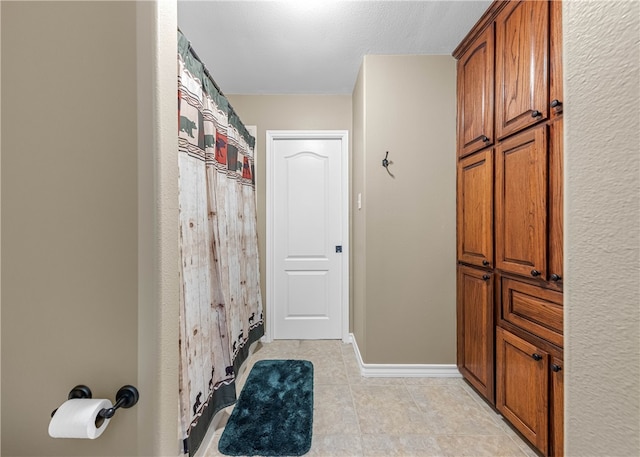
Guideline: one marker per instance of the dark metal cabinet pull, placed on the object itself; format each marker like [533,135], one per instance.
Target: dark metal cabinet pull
[555,277]
[486,277]
[536,357]
[555,103]
[555,368]
[485,139]
[535,273]
[536,113]
[485,263]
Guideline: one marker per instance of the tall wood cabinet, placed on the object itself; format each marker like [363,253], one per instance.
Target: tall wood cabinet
[509,216]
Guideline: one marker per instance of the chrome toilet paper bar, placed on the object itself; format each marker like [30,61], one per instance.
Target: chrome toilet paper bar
[126,397]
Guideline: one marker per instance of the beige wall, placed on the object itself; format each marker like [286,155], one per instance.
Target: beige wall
[285,112]
[602,236]
[81,301]
[408,222]
[69,204]
[158,285]
[358,273]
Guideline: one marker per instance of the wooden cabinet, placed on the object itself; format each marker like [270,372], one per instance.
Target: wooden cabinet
[521,204]
[475,103]
[522,59]
[529,203]
[476,328]
[555,201]
[475,209]
[557,405]
[510,215]
[522,380]
[534,309]
[555,59]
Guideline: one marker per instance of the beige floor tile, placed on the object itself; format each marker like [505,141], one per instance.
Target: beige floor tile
[312,347]
[212,448]
[327,370]
[400,446]
[432,381]
[451,411]
[334,412]
[387,409]
[478,446]
[356,416]
[335,446]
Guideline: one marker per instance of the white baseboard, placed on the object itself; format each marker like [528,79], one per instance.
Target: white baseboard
[391,370]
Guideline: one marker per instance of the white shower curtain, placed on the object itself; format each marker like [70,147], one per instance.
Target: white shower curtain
[220,301]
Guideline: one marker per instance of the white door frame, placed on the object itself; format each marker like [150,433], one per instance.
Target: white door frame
[271,137]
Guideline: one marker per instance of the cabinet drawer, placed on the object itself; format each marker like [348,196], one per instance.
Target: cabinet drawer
[534,309]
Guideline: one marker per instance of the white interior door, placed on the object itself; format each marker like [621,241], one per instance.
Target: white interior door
[307,256]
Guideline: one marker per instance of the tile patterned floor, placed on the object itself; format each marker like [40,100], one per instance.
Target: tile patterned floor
[371,417]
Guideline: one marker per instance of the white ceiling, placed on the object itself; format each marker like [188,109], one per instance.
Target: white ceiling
[315,46]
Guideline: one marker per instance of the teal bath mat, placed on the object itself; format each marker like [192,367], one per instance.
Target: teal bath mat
[274,414]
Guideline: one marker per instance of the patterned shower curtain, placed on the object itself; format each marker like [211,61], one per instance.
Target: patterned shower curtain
[220,301]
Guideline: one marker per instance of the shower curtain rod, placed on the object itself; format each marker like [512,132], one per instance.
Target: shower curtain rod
[206,72]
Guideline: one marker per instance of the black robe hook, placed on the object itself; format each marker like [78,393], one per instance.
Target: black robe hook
[386,163]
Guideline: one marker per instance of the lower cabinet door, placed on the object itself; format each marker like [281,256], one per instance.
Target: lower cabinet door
[476,328]
[557,405]
[522,387]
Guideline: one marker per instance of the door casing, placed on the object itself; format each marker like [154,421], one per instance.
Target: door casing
[271,137]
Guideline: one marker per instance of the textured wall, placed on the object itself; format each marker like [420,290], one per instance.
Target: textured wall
[410,286]
[69,218]
[158,283]
[602,324]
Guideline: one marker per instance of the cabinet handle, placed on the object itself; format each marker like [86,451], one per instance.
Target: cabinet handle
[555,103]
[536,357]
[555,368]
[555,277]
[485,139]
[486,277]
[535,273]
[536,113]
[485,263]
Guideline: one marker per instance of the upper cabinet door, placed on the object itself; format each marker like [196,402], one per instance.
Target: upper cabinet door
[521,204]
[556,198]
[555,60]
[475,209]
[475,95]
[522,56]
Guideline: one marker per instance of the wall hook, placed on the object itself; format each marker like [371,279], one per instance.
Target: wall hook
[386,163]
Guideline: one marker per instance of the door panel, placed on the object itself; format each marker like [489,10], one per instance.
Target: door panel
[307,221]
[557,403]
[475,328]
[522,55]
[522,386]
[475,209]
[555,59]
[556,198]
[475,95]
[521,204]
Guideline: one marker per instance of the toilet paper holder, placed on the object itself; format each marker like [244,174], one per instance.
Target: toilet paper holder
[126,397]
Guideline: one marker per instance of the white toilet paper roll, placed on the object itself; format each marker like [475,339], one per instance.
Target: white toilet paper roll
[78,418]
